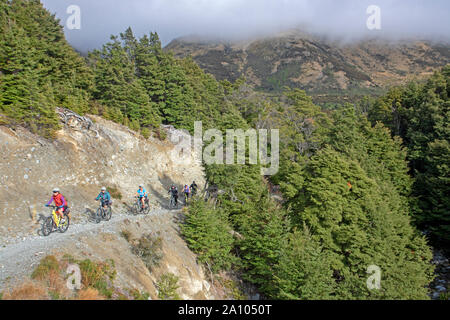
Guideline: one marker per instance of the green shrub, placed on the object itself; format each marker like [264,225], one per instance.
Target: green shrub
[161,134]
[145,132]
[138,295]
[126,234]
[55,295]
[4,120]
[97,274]
[235,292]
[167,286]
[148,248]
[115,193]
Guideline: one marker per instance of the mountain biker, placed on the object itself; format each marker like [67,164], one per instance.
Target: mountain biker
[193,188]
[105,197]
[142,195]
[174,193]
[60,202]
[186,192]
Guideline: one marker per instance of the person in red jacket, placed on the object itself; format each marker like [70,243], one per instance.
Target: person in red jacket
[60,202]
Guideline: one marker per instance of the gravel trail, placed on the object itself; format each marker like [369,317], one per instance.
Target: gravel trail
[19,257]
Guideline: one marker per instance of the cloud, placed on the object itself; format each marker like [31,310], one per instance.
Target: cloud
[235,19]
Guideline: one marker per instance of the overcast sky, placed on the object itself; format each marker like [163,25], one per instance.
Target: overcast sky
[247,18]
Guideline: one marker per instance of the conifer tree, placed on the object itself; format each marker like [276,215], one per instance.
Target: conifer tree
[303,271]
[208,234]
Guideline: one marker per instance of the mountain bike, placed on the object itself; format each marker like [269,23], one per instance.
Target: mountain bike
[55,223]
[103,213]
[173,203]
[138,208]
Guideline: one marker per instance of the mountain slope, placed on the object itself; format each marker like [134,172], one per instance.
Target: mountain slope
[323,68]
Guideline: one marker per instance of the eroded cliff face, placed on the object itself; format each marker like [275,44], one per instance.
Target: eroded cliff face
[87,153]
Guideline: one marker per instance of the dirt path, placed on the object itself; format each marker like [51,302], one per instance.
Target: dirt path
[19,258]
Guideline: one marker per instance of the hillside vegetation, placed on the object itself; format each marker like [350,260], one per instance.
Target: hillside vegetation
[419,114]
[346,198]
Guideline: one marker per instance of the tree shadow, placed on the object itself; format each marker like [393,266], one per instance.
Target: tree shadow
[163,199]
[90,214]
[130,208]
[40,221]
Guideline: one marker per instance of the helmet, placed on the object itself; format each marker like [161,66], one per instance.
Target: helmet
[103,188]
[55,189]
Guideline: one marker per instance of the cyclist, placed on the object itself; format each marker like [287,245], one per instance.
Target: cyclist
[174,193]
[60,202]
[193,188]
[186,192]
[105,197]
[142,195]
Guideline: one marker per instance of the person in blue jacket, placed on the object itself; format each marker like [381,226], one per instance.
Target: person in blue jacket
[143,195]
[104,197]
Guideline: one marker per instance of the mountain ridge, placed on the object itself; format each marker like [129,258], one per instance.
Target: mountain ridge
[326,68]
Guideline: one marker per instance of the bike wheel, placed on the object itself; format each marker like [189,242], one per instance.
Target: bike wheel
[108,214]
[47,226]
[136,208]
[146,210]
[64,224]
[98,215]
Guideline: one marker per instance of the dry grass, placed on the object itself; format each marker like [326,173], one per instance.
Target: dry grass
[126,234]
[49,282]
[47,265]
[57,287]
[33,215]
[89,294]
[27,291]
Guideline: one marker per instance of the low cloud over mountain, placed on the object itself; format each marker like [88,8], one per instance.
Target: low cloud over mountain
[235,19]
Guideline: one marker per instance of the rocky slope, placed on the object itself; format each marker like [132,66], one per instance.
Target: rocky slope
[83,157]
[90,152]
[328,70]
